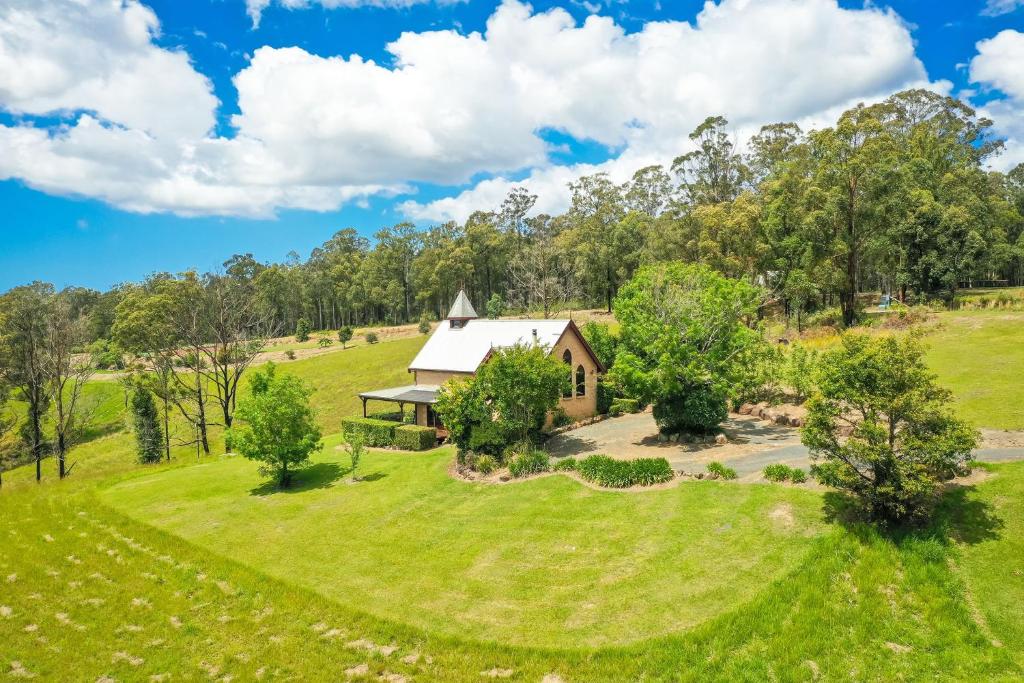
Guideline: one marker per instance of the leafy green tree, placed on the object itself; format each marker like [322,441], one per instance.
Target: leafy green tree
[279,429]
[356,448]
[685,338]
[424,326]
[903,438]
[345,335]
[508,400]
[146,423]
[602,342]
[495,306]
[24,312]
[302,330]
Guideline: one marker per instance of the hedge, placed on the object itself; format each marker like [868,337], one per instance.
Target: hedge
[415,438]
[624,405]
[379,433]
[620,474]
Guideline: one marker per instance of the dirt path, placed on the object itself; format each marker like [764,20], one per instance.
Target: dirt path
[753,444]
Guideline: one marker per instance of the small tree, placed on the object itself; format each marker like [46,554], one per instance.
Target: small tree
[903,439]
[371,337]
[801,365]
[146,422]
[324,342]
[424,325]
[280,430]
[302,330]
[495,306]
[508,400]
[345,335]
[687,343]
[356,447]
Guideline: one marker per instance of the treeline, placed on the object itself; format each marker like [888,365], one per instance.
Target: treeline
[896,198]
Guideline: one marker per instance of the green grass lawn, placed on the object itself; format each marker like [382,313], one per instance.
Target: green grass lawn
[979,356]
[197,569]
[546,563]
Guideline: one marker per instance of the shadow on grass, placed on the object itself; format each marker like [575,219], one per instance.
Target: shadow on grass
[960,516]
[319,476]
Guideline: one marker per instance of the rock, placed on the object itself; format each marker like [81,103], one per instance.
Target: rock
[721,439]
[796,422]
[781,420]
[745,409]
[505,477]
[674,438]
[662,438]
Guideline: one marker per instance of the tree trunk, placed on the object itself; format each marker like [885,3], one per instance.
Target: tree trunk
[61,453]
[167,428]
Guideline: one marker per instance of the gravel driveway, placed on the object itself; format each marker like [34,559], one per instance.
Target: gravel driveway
[753,444]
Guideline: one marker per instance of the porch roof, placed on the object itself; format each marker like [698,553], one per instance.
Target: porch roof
[413,393]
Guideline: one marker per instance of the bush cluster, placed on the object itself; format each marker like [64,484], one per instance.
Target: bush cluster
[528,462]
[370,337]
[780,472]
[377,433]
[719,471]
[415,437]
[624,405]
[564,465]
[618,474]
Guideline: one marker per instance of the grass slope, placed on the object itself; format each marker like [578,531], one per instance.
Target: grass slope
[979,356]
[547,563]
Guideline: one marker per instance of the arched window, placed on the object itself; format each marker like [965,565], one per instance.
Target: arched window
[581,381]
[567,359]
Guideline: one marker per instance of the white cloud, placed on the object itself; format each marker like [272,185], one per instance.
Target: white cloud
[999,65]
[313,132]
[646,91]
[255,7]
[99,56]
[995,8]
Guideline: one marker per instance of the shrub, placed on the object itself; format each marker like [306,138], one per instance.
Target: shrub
[377,433]
[611,473]
[649,471]
[528,462]
[370,337]
[701,409]
[559,418]
[324,342]
[776,472]
[106,355]
[828,317]
[487,437]
[415,437]
[484,464]
[302,330]
[495,306]
[606,395]
[625,405]
[797,475]
[800,369]
[564,465]
[289,354]
[345,335]
[424,327]
[719,471]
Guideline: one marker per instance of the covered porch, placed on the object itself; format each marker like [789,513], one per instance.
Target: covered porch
[421,396]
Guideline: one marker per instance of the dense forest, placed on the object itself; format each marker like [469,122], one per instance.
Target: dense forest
[896,198]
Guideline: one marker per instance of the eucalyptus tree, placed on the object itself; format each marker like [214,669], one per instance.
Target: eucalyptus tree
[66,371]
[25,313]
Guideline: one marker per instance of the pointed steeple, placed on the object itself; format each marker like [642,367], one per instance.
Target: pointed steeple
[462,310]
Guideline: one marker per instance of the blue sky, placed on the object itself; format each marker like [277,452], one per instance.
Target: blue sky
[95,206]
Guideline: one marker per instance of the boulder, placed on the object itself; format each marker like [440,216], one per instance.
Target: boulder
[721,439]
[745,409]
[796,422]
[781,420]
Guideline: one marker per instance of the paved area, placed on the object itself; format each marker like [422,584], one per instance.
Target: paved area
[753,444]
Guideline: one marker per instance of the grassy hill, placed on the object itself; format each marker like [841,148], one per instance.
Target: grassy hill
[197,569]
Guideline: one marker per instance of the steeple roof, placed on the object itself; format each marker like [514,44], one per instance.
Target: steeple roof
[462,309]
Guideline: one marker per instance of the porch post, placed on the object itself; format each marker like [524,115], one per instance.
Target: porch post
[364,405]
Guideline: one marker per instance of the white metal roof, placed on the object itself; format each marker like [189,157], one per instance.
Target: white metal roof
[463,350]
